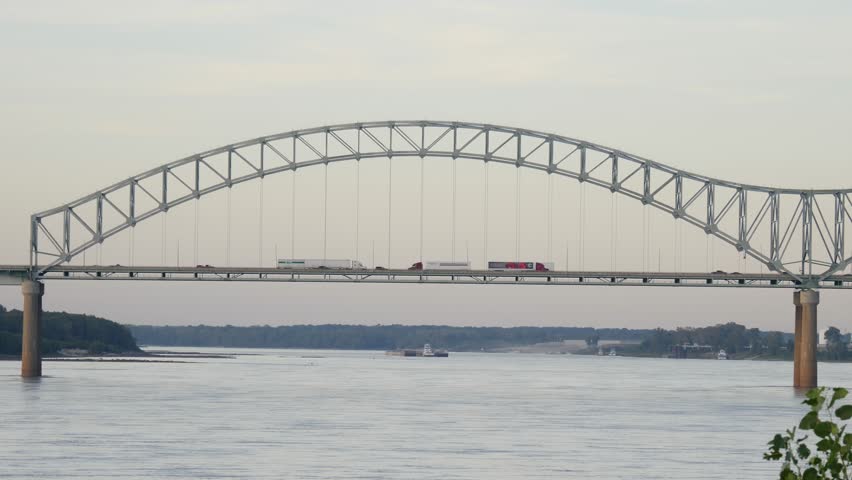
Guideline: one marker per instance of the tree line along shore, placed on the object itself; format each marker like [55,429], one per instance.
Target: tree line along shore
[75,334]
[67,333]
[741,342]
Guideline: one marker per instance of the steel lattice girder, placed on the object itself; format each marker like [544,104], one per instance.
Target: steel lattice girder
[478,277]
[720,208]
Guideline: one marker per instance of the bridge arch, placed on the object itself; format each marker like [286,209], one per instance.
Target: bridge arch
[813,220]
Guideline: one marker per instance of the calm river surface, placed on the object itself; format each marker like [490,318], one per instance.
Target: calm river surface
[280,414]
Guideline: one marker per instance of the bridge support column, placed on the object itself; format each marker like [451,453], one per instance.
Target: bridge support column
[805,344]
[31,348]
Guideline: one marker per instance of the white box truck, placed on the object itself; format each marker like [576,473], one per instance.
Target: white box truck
[307,263]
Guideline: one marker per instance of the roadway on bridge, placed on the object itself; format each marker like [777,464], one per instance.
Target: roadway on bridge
[15,273]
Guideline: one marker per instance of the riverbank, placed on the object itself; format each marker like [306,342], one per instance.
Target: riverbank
[626,351]
[141,356]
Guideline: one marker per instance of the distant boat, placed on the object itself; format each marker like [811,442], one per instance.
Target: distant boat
[612,352]
[722,355]
[600,351]
[426,352]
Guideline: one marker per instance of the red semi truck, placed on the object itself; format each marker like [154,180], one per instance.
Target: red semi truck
[534,266]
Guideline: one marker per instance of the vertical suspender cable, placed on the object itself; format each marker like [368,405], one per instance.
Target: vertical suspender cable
[163,240]
[195,236]
[228,242]
[132,245]
[712,251]
[422,161]
[549,217]
[453,239]
[649,245]
[390,206]
[674,249]
[648,237]
[293,217]
[581,224]
[358,197]
[677,246]
[739,263]
[485,219]
[357,205]
[517,214]
[260,228]
[644,238]
[325,214]
[707,252]
[615,250]
[611,232]
[651,241]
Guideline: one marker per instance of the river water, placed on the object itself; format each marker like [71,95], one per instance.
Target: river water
[343,415]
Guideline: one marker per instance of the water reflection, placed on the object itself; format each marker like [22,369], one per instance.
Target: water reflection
[364,415]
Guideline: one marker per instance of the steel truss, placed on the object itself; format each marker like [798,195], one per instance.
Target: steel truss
[737,214]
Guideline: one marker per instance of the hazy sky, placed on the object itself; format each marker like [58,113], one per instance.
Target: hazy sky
[95,91]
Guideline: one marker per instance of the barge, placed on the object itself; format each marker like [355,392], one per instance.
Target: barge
[426,351]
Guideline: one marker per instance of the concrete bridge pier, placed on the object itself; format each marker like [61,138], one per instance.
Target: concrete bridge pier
[805,343]
[31,348]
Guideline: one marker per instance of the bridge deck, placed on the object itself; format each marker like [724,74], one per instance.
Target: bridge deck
[484,277]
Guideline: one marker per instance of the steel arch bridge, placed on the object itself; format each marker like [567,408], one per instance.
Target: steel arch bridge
[805,228]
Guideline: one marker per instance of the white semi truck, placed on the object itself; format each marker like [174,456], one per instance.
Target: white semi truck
[307,263]
[440,265]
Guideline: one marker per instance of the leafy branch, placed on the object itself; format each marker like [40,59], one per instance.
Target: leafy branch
[829,454]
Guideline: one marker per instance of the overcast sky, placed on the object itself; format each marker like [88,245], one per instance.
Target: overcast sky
[95,91]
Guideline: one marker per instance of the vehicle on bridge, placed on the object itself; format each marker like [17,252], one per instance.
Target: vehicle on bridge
[535,266]
[305,263]
[440,265]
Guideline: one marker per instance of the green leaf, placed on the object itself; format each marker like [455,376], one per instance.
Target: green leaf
[823,429]
[778,442]
[824,445]
[788,474]
[844,412]
[839,393]
[810,474]
[803,451]
[809,421]
[815,392]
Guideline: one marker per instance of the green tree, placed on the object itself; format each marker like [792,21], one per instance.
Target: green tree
[774,342]
[829,454]
[835,343]
[755,340]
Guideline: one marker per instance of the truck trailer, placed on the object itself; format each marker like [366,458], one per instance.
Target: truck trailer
[440,265]
[308,263]
[530,266]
